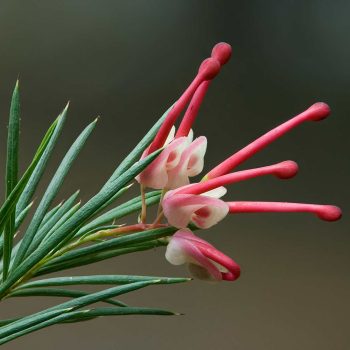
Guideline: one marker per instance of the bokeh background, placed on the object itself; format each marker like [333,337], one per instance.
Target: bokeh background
[127,61]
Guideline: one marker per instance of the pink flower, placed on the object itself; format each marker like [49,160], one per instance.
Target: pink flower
[204,260]
[172,169]
[191,164]
[156,175]
[194,202]
[204,211]
[180,160]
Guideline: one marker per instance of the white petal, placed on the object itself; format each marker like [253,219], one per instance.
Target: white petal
[175,254]
[216,192]
[170,136]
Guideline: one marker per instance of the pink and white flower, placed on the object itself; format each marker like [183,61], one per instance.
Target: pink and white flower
[194,203]
[182,159]
[200,203]
[156,175]
[204,211]
[203,259]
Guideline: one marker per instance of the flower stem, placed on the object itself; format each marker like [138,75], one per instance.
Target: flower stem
[144,205]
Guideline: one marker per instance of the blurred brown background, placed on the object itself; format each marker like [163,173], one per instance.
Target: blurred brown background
[128,61]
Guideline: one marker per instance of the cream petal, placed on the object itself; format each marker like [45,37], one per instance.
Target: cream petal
[181,209]
[216,192]
[156,174]
[190,164]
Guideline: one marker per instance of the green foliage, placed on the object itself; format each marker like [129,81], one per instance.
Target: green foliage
[71,233]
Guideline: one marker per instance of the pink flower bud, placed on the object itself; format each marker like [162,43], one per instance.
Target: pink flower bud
[203,259]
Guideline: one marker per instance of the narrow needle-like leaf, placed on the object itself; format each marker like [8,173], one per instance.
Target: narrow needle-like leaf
[88,315]
[56,292]
[43,235]
[119,242]
[99,279]
[51,192]
[136,153]
[70,305]
[10,202]
[80,217]
[120,211]
[11,174]
[49,141]
[91,258]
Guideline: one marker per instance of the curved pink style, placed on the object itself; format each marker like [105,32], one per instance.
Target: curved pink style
[316,112]
[193,109]
[203,259]
[203,211]
[221,52]
[209,68]
[324,212]
[283,170]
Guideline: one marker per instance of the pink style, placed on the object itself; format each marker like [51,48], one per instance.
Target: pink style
[204,260]
[182,158]
[188,204]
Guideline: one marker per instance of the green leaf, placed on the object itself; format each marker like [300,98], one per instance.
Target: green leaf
[86,230]
[56,292]
[11,174]
[87,315]
[111,200]
[17,325]
[136,153]
[119,242]
[46,149]
[10,202]
[59,265]
[51,192]
[62,209]
[7,321]
[50,219]
[25,322]
[77,220]
[48,216]
[18,222]
[77,316]
[43,235]
[99,279]
[21,216]
[120,211]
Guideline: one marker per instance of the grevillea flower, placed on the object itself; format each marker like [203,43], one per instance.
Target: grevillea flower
[191,163]
[157,173]
[192,203]
[182,159]
[200,203]
[188,204]
[204,260]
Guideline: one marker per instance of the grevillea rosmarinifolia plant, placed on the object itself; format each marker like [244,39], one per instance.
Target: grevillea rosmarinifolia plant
[74,234]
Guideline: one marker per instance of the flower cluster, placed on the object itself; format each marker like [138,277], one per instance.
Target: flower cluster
[199,203]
